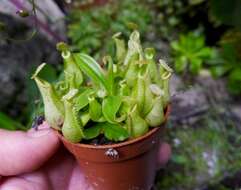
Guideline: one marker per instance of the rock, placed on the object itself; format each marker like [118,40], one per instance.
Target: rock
[237,111]
[216,89]
[50,19]
[191,102]
[17,60]
[186,101]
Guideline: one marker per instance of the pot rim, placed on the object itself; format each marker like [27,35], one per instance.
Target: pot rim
[120,144]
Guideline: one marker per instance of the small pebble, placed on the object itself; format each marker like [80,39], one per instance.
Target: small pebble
[37,121]
[40,120]
[94,142]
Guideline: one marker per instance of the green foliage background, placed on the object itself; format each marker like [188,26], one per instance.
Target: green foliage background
[90,30]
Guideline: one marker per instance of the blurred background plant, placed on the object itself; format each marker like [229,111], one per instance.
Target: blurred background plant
[227,61]
[226,12]
[171,15]
[200,38]
[90,29]
[190,52]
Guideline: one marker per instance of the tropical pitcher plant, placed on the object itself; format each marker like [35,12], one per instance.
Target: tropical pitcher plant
[122,99]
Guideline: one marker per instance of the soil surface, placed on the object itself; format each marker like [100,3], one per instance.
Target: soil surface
[100,140]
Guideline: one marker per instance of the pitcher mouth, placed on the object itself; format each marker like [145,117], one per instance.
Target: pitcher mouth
[120,144]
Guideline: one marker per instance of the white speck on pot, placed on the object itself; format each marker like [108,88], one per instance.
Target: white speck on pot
[112,153]
[153,142]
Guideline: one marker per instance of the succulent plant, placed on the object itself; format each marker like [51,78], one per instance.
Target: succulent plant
[120,100]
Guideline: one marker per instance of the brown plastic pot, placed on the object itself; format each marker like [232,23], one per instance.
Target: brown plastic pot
[129,165]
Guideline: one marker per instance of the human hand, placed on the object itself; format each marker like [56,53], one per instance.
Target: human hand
[33,160]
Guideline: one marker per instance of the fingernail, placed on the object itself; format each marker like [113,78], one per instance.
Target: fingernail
[41,131]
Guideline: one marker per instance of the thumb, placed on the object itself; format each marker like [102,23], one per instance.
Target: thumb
[22,152]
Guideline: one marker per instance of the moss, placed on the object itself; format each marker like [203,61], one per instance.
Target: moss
[202,155]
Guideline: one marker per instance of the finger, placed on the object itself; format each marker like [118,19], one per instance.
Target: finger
[22,184]
[164,154]
[71,177]
[61,163]
[22,152]
[78,180]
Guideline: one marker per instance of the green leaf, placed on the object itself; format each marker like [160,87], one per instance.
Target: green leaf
[179,159]
[2,26]
[227,11]
[190,52]
[195,2]
[198,42]
[115,132]
[72,70]
[196,65]
[181,63]
[93,131]
[84,117]
[8,123]
[236,75]
[216,58]
[110,107]
[220,70]
[204,53]
[234,81]
[110,73]
[229,53]
[92,69]
[94,109]
[175,45]
[82,99]
[48,73]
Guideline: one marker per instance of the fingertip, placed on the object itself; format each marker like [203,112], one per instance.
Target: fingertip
[22,184]
[164,154]
[24,152]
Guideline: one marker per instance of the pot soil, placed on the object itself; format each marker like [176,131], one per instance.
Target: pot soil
[130,165]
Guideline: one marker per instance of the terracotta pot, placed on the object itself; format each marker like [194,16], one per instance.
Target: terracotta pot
[129,165]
